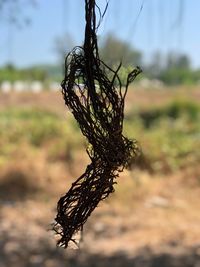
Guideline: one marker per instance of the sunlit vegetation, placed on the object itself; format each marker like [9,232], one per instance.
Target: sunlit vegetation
[169,135]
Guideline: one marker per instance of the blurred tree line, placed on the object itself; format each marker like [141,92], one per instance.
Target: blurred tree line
[172,69]
[11,73]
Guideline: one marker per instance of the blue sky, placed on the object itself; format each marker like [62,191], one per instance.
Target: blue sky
[163,25]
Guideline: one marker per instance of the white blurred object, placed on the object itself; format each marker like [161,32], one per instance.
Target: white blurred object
[144,83]
[54,86]
[157,201]
[19,86]
[157,84]
[6,87]
[36,87]
[154,83]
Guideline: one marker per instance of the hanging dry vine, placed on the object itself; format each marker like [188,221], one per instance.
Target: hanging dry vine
[97,103]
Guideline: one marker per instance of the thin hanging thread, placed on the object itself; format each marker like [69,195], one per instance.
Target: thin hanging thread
[134,25]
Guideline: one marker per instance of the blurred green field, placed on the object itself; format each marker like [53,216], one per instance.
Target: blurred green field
[155,206]
[169,135]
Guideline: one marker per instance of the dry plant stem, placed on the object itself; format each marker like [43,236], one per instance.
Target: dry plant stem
[98,107]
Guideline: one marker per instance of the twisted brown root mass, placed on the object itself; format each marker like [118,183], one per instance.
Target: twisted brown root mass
[97,103]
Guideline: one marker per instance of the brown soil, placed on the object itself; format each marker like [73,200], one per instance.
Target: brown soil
[151,220]
[136,97]
[148,221]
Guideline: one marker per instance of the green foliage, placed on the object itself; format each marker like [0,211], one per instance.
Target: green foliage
[37,128]
[172,111]
[177,61]
[169,136]
[113,50]
[172,70]
[175,76]
[10,73]
[123,74]
[29,125]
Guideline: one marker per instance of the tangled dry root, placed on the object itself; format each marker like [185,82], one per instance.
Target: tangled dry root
[97,103]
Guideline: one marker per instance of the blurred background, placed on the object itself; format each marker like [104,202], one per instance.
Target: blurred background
[153,217]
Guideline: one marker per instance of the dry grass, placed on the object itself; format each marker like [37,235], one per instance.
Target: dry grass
[158,211]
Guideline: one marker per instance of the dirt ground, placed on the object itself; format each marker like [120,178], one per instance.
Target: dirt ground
[151,220]
[136,97]
[148,221]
